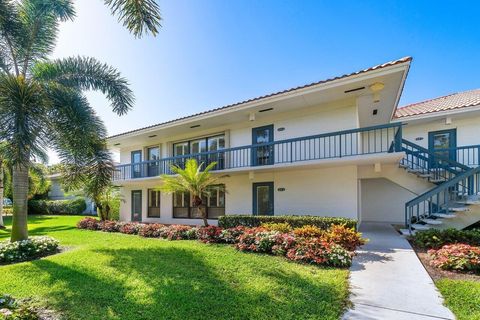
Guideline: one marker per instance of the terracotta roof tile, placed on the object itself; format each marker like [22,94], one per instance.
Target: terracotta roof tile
[450,102]
[380,66]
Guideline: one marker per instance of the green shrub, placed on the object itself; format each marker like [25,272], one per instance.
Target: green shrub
[71,206]
[324,223]
[434,239]
[115,210]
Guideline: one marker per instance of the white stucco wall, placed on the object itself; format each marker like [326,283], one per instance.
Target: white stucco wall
[322,192]
[468,130]
[383,201]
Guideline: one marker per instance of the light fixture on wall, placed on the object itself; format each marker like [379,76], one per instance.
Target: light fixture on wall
[251,116]
[376,88]
[448,120]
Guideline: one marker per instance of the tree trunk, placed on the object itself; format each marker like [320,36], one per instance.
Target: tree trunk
[201,207]
[20,196]
[2,225]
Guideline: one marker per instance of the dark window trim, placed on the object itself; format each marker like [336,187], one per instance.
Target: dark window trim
[189,142]
[271,139]
[159,204]
[141,205]
[190,207]
[272,195]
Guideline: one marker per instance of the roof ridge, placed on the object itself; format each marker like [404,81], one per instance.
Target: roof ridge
[375,67]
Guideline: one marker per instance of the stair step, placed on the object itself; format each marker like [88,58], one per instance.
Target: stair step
[432,221]
[443,215]
[469,202]
[438,180]
[458,209]
[420,227]
[425,175]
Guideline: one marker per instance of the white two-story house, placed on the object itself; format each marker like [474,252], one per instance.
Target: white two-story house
[337,147]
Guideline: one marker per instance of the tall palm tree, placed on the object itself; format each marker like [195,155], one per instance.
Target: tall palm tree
[42,104]
[194,181]
[2,225]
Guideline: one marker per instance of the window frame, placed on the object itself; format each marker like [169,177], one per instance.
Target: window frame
[159,201]
[189,206]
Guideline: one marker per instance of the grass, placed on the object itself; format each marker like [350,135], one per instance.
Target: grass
[462,297]
[117,276]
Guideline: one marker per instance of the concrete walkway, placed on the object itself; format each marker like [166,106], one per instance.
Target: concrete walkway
[389,282]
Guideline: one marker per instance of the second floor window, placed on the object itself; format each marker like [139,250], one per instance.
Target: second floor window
[208,144]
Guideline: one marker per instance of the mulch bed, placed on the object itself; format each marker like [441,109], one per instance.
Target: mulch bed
[437,273]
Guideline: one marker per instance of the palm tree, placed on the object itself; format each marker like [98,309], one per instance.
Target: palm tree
[193,181]
[42,104]
[2,225]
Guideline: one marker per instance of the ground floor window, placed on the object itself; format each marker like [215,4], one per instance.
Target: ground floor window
[215,204]
[153,203]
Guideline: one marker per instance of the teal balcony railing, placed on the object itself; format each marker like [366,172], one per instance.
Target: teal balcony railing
[346,143]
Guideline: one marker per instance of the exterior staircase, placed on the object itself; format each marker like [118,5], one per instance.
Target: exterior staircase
[454,201]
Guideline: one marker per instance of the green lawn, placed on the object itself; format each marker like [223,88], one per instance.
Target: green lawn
[116,276]
[462,297]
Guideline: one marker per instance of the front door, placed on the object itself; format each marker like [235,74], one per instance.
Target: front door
[137,205]
[262,155]
[136,166]
[443,143]
[153,155]
[263,199]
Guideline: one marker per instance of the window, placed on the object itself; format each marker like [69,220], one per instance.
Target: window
[215,204]
[153,203]
[209,144]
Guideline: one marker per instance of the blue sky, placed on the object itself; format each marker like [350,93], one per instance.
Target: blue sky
[215,52]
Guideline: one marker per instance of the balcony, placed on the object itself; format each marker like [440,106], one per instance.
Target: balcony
[355,142]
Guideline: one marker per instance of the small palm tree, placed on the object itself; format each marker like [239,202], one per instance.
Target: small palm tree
[192,180]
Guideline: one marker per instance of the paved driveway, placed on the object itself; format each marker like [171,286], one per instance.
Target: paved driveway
[389,282]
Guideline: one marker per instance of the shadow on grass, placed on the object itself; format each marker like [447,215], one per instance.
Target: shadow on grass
[178,283]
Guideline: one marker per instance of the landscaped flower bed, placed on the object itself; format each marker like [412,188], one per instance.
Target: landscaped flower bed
[451,249]
[456,257]
[334,246]
[32,248]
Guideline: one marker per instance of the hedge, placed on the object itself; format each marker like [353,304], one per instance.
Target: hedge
[71,206]
[435,239]
[231,221]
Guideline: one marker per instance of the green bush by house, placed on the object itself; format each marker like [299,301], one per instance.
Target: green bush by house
[71,206]
[231,221]
[434,239]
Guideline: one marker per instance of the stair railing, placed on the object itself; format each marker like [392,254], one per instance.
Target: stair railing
[441,197]
[437,168]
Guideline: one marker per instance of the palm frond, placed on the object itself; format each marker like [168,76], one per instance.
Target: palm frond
[10,31]
[39,21]
[23,118]
[191,179]
[88,74]
[138,16]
